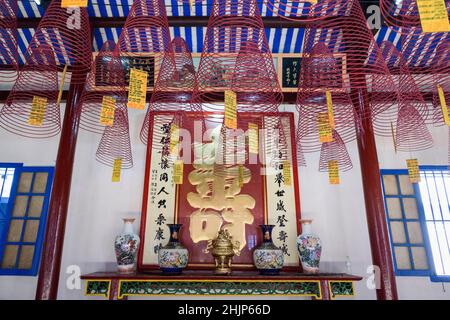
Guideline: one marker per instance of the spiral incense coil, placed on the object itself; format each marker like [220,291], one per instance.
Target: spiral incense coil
[440,79]
[345,46]
[403,13]
[31,109]
[107,71]
[146,31]
[173,86]
[68,33]
[236,57]
[319,73]
[115,142]
[335,151]
[9,54]
[409,98]
[304,10]
[412,133]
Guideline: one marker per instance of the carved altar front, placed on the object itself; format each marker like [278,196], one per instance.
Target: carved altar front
[112,285]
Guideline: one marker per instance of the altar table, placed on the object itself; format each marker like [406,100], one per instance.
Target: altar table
[324,286]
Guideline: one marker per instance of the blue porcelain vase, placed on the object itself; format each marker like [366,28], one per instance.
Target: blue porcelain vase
[126,246]
[309,248]
[268,258]
[173,257]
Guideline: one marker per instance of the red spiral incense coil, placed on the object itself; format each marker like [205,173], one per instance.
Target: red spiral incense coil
[305,10]
[9,56]
[67,31]
[107,72]
[115,142]
[236,56]
[335,151]
[173,87]
[412,133]
[403,13]
[146,31]
[38,79]
[440,75]
[319,72]
[412,111]
[346,39]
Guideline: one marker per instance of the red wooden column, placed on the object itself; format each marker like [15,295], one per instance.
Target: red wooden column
[47,287]
[376,216]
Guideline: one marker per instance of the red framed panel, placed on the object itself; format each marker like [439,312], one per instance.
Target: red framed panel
[182,209]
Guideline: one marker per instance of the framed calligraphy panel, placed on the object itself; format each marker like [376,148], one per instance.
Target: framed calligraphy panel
[289,72]
[103,78]
[206,202]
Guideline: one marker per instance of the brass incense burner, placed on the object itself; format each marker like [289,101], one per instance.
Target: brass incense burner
[223,249]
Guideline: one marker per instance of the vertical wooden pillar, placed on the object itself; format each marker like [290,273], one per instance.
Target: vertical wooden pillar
[376,216]
[47,287]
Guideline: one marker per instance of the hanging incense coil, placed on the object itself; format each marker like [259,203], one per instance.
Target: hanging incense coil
[174,85]
[145,33]
[412,111]
[9,54]
[108,72]
[335,151]
[115,142]
[412,133]
[236,57]
[319,73]
[304,10]
[68,33]
[440,78]
[31,109]
[358,67]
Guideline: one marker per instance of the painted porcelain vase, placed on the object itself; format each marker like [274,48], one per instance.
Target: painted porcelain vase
[268,258]
[126,246]
[309,248]
[173,257]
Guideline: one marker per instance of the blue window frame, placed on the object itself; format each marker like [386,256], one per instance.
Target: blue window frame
[418,219]
[434,188]
[25,193]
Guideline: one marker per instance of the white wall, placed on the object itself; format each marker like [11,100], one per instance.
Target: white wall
[97,206]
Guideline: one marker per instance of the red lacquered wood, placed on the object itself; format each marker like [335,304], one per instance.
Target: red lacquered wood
[208,275]
[373,197]
[47,287]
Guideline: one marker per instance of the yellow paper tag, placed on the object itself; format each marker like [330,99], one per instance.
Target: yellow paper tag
[38,106]
[61,85]
[116,170]
[333,172]
[444,107]
[178,172]
[138,89]
[287,172]
[74,3]
[433,16]
[241,175]
[413,170]
[330,109]
[107,112]
[253,138]
[174,138]
[230,109]
[324,128]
